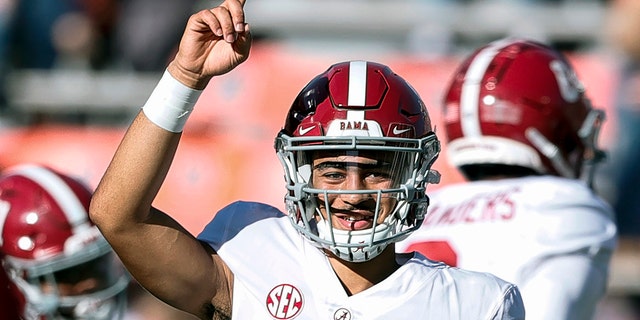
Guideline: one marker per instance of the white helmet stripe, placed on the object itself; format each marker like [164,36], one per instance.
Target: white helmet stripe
[470,95]
[355,115]
[59,190]
[357,83]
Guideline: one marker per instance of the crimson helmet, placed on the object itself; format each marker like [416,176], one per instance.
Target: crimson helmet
[59,265]
[519,103]
[358,107]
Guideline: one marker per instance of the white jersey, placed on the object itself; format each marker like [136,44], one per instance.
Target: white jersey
[552,237]
[281,275]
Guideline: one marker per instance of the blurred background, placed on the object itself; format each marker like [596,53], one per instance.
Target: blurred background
[73,74]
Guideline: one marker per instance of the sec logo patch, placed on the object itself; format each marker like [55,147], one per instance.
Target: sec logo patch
[284,301]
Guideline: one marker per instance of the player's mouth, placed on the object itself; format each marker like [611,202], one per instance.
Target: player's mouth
[354,221]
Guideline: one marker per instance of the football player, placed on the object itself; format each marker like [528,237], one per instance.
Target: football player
[356,148]
[58,264]
[522,131]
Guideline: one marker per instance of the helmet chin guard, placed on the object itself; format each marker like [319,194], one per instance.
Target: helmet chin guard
[359,109]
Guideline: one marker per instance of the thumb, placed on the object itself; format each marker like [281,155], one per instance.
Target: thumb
[243,42]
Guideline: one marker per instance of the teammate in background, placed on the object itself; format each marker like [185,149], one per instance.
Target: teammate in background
[356,148]
[58,263]
[522,131]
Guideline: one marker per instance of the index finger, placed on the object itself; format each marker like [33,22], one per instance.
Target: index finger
[236,11]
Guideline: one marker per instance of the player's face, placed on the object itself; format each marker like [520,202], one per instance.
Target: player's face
[354,171]
[86,278]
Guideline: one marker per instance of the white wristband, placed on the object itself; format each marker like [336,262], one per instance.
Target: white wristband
[170,103]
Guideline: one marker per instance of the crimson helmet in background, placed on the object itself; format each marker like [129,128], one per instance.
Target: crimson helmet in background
[358,107]
[519,103]
[59,264]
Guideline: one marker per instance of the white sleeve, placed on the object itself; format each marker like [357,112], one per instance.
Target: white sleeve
[549,293]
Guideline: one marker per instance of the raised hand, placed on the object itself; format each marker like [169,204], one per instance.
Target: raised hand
[214,42]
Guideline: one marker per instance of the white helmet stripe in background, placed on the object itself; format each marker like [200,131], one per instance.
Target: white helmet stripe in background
[470,95]
[4,211]
[59,190]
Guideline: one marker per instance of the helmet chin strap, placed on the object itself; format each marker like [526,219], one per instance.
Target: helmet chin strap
[550,151]
[588,133]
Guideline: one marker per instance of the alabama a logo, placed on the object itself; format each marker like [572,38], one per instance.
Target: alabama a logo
[342,314]
[284,301]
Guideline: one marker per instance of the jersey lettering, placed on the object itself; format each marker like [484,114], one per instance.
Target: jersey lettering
[483,208]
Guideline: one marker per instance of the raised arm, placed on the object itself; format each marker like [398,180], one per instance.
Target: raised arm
[162,256]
